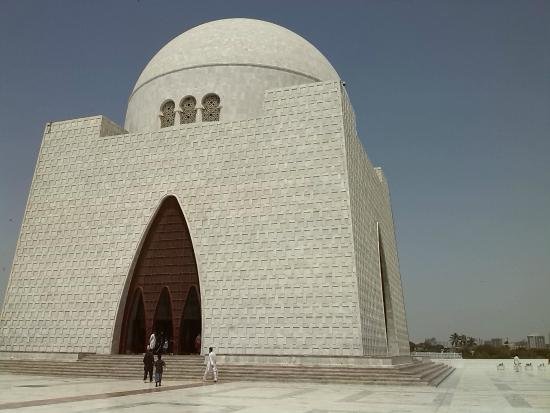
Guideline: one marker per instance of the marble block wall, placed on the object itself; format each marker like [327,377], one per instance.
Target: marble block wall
[372,219]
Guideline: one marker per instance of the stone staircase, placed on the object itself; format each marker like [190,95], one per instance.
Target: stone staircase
[192,368]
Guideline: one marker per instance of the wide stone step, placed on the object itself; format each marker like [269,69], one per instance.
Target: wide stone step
[425,370]
[172,372]
[192,368]
[244,377]
[259,367]
[422,369]
[175,364]
[280,372]
[431,371]
[267,375]
[436,380]
[321,379]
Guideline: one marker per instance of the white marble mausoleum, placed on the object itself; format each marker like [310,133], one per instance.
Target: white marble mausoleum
[237,202]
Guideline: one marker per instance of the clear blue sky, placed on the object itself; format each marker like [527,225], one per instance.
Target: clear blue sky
[452,100]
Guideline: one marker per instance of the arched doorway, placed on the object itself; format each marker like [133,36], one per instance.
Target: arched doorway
[165,272]
[135,338]
[162,323]
[190,323]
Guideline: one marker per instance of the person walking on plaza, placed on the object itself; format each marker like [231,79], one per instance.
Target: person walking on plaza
[517,364]
[148,362]
[211,365]
[159,368]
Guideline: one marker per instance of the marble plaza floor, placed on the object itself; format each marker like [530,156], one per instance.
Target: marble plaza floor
[473,387]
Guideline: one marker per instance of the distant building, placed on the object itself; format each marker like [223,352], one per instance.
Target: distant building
[535,341]
[495,342]
[521,343]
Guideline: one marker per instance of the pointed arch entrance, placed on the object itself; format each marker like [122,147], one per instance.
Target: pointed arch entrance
[163,322]
[165,274]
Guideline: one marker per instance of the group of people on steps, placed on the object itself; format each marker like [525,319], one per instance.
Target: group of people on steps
[149,362]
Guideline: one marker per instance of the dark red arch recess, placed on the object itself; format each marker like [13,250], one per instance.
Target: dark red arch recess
[163,324]
[190,322]
[166,261]
[136,323]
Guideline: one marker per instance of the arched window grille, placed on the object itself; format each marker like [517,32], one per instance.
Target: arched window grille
[188,112]
[211,108]
[168,114]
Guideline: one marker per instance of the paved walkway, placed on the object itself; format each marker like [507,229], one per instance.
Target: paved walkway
[472,388]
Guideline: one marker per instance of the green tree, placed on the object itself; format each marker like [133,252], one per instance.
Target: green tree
[454,338]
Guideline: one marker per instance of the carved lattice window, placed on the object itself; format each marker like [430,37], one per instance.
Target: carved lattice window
[211,108]
[188,112]
[168,114]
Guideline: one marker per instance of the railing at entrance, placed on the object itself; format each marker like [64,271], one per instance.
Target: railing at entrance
[434,355]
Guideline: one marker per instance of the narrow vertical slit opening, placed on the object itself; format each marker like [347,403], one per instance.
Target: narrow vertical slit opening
[383,281]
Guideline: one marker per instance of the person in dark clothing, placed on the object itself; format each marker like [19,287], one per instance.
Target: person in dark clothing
[160,344]
[159,368]
[148,362]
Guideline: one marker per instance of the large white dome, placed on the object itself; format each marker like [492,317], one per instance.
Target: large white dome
[237,59]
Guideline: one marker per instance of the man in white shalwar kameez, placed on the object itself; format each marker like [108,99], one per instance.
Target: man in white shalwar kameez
[152,342]
[211,365]
[517,364]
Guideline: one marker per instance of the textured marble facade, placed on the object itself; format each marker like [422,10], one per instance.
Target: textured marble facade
[372,223]
[283,211]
